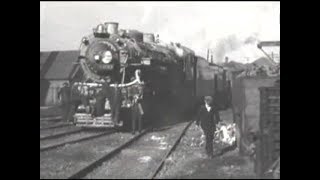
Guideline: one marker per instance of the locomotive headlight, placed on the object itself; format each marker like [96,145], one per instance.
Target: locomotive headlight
[107,57]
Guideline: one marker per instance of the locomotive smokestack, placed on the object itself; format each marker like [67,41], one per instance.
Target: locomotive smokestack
[148,37]
[112,27]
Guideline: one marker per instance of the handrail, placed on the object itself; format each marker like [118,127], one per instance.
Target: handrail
[136,81]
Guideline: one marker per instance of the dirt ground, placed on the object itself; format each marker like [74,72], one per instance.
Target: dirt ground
[227,166]
[62,162]
[141,158]
[189,160]
[50,132]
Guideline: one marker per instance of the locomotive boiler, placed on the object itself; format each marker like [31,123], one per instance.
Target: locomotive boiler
[123,67]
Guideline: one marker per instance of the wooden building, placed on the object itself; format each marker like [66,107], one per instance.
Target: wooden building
[56,67]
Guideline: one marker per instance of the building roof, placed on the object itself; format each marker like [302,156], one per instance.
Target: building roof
[263,61]
[43,57]
[58,64]
[232,65]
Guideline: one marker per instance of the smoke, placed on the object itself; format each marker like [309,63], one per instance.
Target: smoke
[147,13]
[235,47]
[229,29]
[252,39]
[225,45]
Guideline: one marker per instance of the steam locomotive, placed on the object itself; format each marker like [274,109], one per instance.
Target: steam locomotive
[124,67]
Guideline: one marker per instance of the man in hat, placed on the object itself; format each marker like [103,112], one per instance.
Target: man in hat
[92,102]
[64,96]
[84,97]
[101,96]
[137,113]
[114,96]
[75,101]
[207,119]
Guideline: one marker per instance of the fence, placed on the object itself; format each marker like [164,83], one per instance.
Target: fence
[268,144]
[246,109]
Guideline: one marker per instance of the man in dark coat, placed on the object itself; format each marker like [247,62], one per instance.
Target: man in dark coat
[207,118]
[75,99]
[137,113]
[64,96]
[84,97]
[92,103]
[100,104]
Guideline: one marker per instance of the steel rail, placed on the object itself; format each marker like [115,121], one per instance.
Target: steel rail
[160,165]
[56,126]
[75,141]
[86,170]
[61,134]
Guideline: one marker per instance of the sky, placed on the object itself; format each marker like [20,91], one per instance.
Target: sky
[227,28]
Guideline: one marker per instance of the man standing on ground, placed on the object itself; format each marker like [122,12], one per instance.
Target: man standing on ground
[75,102]
[137,113]
[208,118]
[64,96]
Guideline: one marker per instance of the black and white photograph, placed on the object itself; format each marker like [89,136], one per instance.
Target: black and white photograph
[160,90]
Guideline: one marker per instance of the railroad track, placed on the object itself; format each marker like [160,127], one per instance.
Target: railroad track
[61,134]
[96,164]
[42,149]
[177,141]
[55,126]
[83,172]
[51,118]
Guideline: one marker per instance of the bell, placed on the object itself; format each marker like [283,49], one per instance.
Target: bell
[100,29]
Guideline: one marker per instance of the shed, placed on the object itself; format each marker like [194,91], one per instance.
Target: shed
[56,67]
